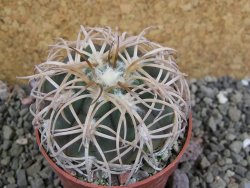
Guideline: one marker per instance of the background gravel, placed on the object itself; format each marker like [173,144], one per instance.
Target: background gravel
[216,157]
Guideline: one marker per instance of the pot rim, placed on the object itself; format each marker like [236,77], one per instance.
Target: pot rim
[139,183]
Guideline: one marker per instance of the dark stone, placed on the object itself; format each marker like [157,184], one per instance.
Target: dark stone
[6,144]
[236,97]
[12,112]
[208,92]
[196,122]
[218,183]
[180,180]
[209,177]
[46,172]
[214,169]
[204,162]
[240,170]
[21,178]
[234,114]
[20,132]
[37,183]
[195,181]
[3,108]
[23,111]
[236,146]
[34,169]
[16,150]
[15,164]
[186,166]
[246,184]
[11,180]
[11,186]
[5,161]
[212,124]
[8,133]
[213,156]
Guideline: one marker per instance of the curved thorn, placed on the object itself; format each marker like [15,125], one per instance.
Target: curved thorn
[99,95]
[116,53]
[83,55]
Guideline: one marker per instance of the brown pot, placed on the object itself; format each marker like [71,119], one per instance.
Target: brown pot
[158,180]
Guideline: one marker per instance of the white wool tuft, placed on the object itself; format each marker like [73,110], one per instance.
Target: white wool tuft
[129,100]
[144,133]
[109,76]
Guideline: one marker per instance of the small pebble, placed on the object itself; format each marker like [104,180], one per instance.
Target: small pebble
[21,178]
[234,114]
[16,150]
[233,185]
[212,124]
[12,112]
[245,82]
[23,111]
[246,142]
[230,137]
[8,133]
[246,184]
[230,173]
[209,177]
[240,170]
[218,183]
[37,183]
[222,98]
[5,161]
[22,141]
[6,144]
[236,146]
[204,162]
[34,169]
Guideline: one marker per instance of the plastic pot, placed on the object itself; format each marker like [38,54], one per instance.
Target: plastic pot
[158,180]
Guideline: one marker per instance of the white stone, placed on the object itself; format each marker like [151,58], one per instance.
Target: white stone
[22,141]
[246,143]
[230,173]
[222,98]
[245,82]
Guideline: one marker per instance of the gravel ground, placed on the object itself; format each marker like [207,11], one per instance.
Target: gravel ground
[218,156]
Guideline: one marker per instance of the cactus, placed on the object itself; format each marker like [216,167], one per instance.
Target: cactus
[108,102]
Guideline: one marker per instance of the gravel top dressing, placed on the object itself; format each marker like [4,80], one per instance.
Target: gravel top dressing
[218,155]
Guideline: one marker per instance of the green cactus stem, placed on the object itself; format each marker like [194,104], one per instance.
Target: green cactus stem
[109,102]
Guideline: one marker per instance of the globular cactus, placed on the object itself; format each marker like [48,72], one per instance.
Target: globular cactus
[109,102]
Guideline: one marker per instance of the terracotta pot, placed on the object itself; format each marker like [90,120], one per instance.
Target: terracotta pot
[158,180]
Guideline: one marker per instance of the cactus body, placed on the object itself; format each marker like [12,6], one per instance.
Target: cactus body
[109,102]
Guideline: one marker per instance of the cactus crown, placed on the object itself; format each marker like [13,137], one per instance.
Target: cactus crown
[109,102]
